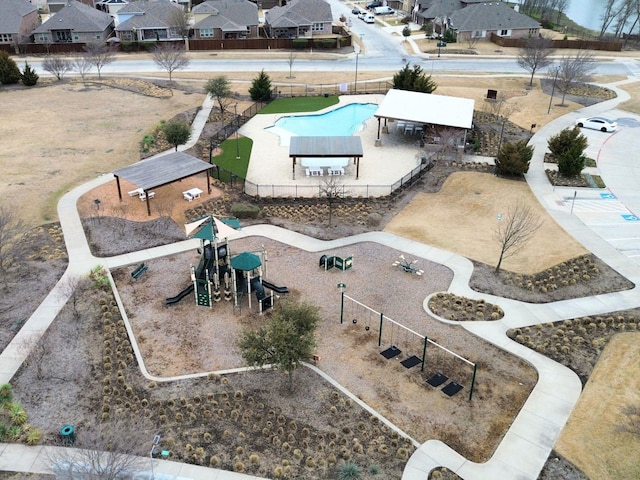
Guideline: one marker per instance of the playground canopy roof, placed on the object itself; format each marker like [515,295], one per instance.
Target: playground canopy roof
[325,147]
[158,171]
[245,261]
[426,108]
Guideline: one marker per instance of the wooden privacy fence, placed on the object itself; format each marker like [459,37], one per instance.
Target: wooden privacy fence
[608,45]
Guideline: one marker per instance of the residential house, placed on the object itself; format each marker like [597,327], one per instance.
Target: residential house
[299,18]
[54,6]
[75,23]
[151,21]
[18,19]
[436,12]
[220,19]
[482,19]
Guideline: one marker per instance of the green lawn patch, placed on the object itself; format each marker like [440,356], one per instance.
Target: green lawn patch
[300,104]
[227,159]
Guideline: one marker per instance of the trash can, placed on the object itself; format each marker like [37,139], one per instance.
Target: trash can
[68,434]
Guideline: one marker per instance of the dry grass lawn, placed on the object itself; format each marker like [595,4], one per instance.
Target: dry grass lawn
[462,217]
[63,135]
[590,439]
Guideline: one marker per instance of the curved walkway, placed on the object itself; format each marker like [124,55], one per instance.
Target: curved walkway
[534,430]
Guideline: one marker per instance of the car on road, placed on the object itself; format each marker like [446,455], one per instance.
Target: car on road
[597,123]
[362,14]
[355,11]
[372,5]
[369,18]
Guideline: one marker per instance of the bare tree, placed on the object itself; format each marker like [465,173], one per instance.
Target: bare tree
[611,11]
[515,229]
[99,54]
[179,22]
[82,66]
[220,91]
[472,42]
[333,190]
[535,55]
[56,66]
[445,141]
[290,61]
[107,450]
[74,288]
[11,230]
[631,420]
[170,58]
[573,69]
[561,6]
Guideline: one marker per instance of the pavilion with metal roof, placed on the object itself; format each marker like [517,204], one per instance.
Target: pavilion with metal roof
[425,109]
[324,149]
[163,170]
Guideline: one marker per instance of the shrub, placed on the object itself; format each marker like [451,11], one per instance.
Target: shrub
[571,162]
[243,210]
[29,77]
[349,471]
[260,89]
[9,71]
[300,43]
[514,158]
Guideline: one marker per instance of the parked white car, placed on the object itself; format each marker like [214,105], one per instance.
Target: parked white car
[597,123]
[368,18]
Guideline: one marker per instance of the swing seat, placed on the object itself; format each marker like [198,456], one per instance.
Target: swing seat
[391,352]
[437,380]
[411,361]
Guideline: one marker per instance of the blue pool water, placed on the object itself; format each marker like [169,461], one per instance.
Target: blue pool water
[343,121]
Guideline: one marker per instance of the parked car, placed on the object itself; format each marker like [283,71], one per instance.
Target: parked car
[597,123]
[373,5]
[355,11]
[369,18]
[386,10]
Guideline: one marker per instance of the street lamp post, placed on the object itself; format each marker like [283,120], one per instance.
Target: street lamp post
[355,83]
[156,441]
[342,288]
[553,90]
[235,111]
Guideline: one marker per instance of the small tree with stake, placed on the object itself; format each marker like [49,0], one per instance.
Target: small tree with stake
[332,190]
[220,91]
[176,133]
[285,341]
[170,58]
[515,230]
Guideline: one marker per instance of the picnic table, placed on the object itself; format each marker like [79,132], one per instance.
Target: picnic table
[191,194]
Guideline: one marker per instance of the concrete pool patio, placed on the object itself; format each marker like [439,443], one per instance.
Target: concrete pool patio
[270,163]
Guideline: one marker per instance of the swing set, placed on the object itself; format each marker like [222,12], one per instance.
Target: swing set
[400,339]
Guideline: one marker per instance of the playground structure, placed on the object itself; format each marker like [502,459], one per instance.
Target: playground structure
[415,348]
[219,271]
[328,262]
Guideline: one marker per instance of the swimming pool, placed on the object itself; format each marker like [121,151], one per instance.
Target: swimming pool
[343,121]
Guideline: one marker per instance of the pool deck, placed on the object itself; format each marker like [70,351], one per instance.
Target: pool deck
[384,165]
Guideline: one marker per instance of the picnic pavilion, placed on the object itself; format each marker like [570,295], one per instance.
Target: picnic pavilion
[331,152]
[422,110]
[158,171]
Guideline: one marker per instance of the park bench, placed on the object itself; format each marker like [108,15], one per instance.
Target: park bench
[139,271]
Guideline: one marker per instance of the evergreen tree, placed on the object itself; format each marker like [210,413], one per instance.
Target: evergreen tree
[571,161]
[177,133]
[565,140]
[260,89]
[29,76]
[514,158]
[9,71]
[414,79]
